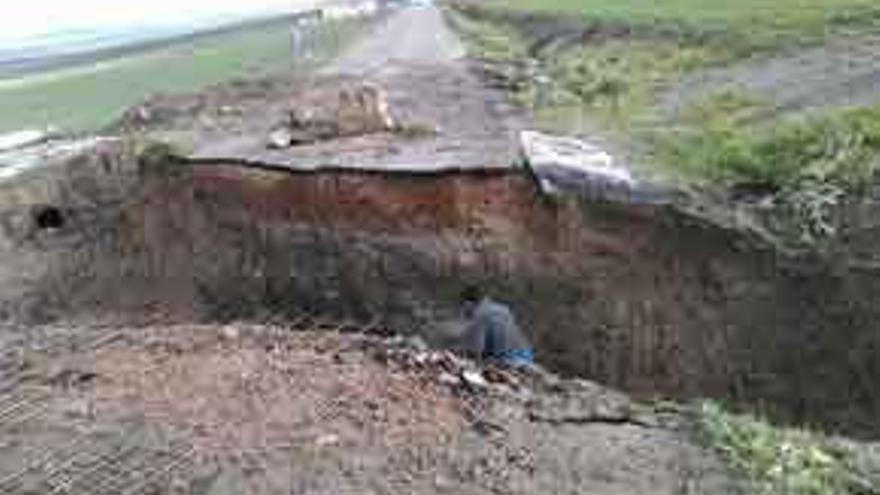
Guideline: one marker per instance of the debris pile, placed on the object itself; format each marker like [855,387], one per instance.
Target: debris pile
[268,409]
[546,397]
[352,110]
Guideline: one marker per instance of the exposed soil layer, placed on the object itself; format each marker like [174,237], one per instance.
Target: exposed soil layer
[652,299]
[207,410]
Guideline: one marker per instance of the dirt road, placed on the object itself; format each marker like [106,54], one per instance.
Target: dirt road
[415,36]
[419,64]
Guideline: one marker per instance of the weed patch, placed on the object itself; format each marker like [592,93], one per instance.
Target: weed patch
[617,80]
[777,461]
[841,148]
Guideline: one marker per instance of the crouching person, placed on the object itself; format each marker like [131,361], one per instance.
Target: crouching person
[492,332]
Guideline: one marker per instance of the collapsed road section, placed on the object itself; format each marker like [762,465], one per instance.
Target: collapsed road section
[261,203]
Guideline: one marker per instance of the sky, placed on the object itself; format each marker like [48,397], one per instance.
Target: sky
[26,20]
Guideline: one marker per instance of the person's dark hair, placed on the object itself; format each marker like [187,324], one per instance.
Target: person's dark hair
[471,294]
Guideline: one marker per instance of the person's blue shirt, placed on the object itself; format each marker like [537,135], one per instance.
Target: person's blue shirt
[494,334]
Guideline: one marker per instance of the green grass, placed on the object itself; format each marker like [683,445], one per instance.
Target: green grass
[753,23]
[615,81]
[784,461]
[813,164]
[88,97]
[501,50]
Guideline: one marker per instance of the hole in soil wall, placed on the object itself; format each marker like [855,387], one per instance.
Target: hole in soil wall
[49,218]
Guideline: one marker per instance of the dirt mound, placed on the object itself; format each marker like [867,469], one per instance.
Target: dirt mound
[841,74]
[270,389]
[264,410]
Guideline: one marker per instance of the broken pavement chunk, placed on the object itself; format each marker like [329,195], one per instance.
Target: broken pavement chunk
[569,164]
[588,403]
[280,138]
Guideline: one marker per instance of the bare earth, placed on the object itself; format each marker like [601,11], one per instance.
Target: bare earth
[843,73]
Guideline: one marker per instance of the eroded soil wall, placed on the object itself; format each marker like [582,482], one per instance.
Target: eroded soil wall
[648,299]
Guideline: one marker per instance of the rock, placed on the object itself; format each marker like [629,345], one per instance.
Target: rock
[443,483]
[230,333]
[583,402]
[363,109]
[568,164]
[417,343]
[143,114]
[64,377]
[327,440]
[449,379]
[421,358]
[280,138]
[474,380]
[501,376]
[78,408]
[229,481]
[351,110]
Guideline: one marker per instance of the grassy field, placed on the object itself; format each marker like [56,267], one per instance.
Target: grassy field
[87,97]
[754,23]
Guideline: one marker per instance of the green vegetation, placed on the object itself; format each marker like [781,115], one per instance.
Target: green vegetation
[744,24]
[85,98]
[154,156]
[502,51]
[614,80]
[777,461]
[609,67]
[812,163]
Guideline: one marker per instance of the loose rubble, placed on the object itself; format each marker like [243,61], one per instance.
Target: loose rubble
[353,110]
[272,409]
